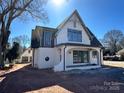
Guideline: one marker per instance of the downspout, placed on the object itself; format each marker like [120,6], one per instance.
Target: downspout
[64,57]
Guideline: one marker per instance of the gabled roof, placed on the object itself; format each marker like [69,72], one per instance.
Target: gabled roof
[81,21]
[94,41]
[66,20]
[36,39]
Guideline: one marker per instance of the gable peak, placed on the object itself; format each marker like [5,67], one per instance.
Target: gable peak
[75,12]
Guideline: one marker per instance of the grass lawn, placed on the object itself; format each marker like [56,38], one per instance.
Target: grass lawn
[25,79]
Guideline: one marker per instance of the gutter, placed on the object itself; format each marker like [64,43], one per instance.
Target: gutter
[64,57]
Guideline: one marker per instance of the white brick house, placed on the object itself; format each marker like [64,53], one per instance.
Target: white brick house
[69,46]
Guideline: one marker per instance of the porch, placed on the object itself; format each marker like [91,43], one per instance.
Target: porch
[78,57]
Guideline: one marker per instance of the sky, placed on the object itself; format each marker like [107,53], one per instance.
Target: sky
[99,15]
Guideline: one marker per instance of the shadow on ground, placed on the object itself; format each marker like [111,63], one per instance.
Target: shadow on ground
[28,79]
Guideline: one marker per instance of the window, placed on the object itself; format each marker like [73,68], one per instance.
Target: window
[94,54]
[47,39]
[74,35]
[30,59]
[24,59]
[29,51]
[80,56]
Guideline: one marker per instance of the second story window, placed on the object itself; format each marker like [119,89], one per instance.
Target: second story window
[47,39]
[74,35]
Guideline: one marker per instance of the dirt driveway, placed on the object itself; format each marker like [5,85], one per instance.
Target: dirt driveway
[25,79]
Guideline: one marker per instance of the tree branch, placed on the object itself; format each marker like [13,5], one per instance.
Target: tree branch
[10,15]
[22,10]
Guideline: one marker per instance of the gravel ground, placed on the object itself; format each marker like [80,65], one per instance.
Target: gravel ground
[25,79]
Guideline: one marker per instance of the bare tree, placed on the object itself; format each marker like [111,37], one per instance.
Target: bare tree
[24,40]
[122,42]
[12,9]
[16,39]
[113,39]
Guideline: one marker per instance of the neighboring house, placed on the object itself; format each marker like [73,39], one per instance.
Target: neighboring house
[69,46]
[26,56]
[120,54]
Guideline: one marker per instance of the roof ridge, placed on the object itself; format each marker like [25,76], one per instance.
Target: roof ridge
[67,18]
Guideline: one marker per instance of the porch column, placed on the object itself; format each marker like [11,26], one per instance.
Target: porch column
[66,57]
[99,57]
[90,56]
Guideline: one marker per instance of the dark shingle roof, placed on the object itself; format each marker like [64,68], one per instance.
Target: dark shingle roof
[94,41]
